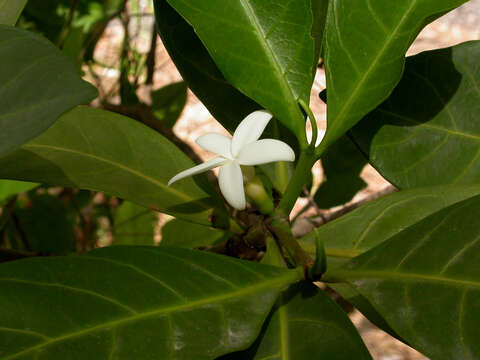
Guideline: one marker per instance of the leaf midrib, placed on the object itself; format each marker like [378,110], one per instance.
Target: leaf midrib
[283,329]
[289,277]
[269,51]
[395,275]
[360,84]
[430,126]
[164,187]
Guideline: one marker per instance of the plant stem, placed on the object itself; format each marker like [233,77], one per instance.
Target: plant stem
[66,26]
[298,180]
[256,191]
[280,227]
[235,227]
[313,122]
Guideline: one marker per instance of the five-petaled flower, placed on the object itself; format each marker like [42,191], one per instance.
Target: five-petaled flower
[243,148]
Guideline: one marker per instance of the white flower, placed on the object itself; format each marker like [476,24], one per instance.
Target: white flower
[243,148]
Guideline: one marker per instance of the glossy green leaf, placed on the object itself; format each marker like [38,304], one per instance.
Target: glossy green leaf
[168,102]
[304,321]
[353,297]
[377,221]
[37,84]
[425,281]
[189,235]
[134,225]
[365,45]
[273,54]
[47,225]
[100,150]
[11,187]
[134,303]
[10,11]
[431,139]
[319,10]
[228,105]
[342,164]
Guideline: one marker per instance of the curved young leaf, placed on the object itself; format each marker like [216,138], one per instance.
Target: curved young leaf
[37,84]
[431,139]
[306,321]
[10,187]
[184,234]
[361,77]
[377,221]
[10,11]
[99,150]
[273,54]
[134,303]
[226,104]
[416,275]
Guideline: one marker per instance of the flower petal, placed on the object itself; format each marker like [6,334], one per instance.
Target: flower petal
[230,180]
[216,143]
[265,151]
[249,130]
[207,165]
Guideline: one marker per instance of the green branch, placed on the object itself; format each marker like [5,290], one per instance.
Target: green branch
[300,177]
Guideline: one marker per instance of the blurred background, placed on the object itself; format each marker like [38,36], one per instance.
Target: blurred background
[115,45]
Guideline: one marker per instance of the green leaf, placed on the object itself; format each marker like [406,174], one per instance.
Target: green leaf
[37,84]
[303,321]
[431,139]
[10,187]
[306,321]
[10,11]
[273,256]
[342,164]
[425,282]
[168,102]
[99,150]
[134,303]
[319,10]
[228,105]
[377,221]
[360,77]
[273,53]
[134,225]
[189,235]
[47,225]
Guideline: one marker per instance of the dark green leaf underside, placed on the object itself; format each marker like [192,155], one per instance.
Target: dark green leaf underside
[342,164]
[434,138]
[37,84]
[228,105]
